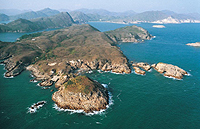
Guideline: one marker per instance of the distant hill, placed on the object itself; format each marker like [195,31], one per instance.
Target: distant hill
[31,15]
[10,12]
[164,16]
[149,16]
[80,17]
[4,17]
[23,25]
[104,12]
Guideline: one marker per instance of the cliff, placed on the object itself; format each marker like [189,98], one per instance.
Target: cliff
[81,93]
[129,34]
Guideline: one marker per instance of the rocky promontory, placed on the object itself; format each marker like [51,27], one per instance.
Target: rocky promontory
[82,93]
[129,34]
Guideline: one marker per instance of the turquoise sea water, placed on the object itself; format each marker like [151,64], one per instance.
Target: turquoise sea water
[150,101]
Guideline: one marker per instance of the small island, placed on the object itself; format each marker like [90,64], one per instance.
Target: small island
[168,70]
[158,26]
[197,44]
[82,93]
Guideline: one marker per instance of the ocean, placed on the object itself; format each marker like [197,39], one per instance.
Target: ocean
[140,102]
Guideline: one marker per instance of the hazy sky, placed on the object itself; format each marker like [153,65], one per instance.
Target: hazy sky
[180,6]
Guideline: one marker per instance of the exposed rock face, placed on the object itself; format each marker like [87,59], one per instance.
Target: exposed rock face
[13,68]
[61,72]
[116,68]
[36,72]
[170,70]
[139,71]
[81,93]
[61,81]
[46,83]
[197,44]
[142,65]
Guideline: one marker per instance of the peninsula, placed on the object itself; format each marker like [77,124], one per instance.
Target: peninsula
[60,56]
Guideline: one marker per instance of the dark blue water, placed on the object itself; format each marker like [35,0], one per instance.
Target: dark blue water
[150,101]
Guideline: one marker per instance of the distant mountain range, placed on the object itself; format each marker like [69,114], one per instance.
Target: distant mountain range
[27,15]
[48,18]
[164,16]
[23,25]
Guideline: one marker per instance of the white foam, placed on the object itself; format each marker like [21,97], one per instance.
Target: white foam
[90,71]
[188,74]
[7,77]
[111,102]
[138,74]
[2,64]
[105,85]
[34,108]
[150,70]
[99,71]
[173,78]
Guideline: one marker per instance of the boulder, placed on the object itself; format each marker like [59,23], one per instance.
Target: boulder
[139,71]
[143,65]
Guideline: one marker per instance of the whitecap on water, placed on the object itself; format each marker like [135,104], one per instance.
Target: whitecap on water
[36,106]
[138,74]
[7,77]
[173,78]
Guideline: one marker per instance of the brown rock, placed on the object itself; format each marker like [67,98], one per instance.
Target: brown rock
[61,81]
[170,70]
[143,65]
[153,65]
[46,83]
[139,71]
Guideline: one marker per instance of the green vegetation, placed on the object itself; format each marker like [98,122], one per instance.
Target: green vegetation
[30,36]
[80,84]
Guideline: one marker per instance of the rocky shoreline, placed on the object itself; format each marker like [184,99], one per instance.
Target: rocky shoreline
[75,67]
